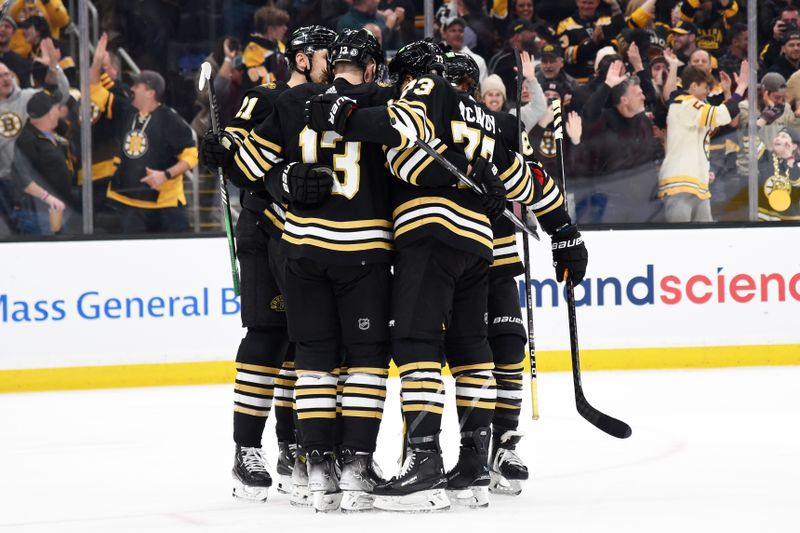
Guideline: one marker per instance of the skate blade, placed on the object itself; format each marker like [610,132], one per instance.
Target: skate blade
[325,502]
[425,501]
[285,484]
[300,496]
[357,501]
[249,494]
[472,497]
[504,486]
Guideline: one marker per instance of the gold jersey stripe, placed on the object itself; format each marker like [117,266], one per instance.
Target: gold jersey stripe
[251,412]
[374,245]
[440,220]
[363,390]
[469,380]
[368,370]
[362,414]
[420,365]
[304,415]
[501,405]
[254,390]
[330,391]
[283,403]
[348,224]
[478,366]
[412,408]
[435,200]
[475,404]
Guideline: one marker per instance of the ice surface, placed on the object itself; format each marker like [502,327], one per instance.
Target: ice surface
[711,451]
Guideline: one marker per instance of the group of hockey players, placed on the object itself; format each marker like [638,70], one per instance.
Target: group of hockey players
[357,247]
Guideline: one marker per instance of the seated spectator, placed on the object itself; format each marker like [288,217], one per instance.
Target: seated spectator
[685,173]
[789,60]
[452,31]
[157,148]
[42,169]
[364,12]
[36,30]
[20,66]
[53,11]
[551,68]
[521,37]
[779,178]
[712,19]
[619,154]
[262,59]
[586,32]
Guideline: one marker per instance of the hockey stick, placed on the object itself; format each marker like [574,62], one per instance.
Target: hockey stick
[410,134]
[526,253]
[205,79]
[608,424]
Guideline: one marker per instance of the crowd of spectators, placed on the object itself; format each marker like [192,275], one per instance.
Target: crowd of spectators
[655,94]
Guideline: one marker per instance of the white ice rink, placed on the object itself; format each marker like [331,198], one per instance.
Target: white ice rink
[711,451]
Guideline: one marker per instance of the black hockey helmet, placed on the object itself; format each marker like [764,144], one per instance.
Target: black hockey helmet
[357,46]
[308,39]
[461,68]
[417,59]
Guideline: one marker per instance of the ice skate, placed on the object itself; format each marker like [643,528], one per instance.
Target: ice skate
[287,454]
[323,487]
[418,487]
[468,481]
[507,469]
[359,477]
[251,480]
[300,497]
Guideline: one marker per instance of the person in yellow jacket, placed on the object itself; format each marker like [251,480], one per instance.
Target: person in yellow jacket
[53,12]
[685,173]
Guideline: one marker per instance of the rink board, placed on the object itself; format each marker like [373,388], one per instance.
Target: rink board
[150,312]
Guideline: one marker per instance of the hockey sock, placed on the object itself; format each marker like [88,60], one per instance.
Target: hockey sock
[476,394]
[315,398]
[284,402]
[362,407]
[257,361]
[423,401]
[509,354]
[338,431]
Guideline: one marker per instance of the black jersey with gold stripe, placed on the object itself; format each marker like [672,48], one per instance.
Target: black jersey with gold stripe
[353,226]
[257,104]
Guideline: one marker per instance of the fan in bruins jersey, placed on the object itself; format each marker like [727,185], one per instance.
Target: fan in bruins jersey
[339,250]
[157,148]
[265,360]
[507,334]
[444,247]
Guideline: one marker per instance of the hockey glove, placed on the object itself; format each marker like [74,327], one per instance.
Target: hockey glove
[217,151]
[484,173]
[306,184]
[569,254]
[329,111]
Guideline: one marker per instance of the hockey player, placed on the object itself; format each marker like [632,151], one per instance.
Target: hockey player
[507,334]
[339,251]
[265,366]
[444,248]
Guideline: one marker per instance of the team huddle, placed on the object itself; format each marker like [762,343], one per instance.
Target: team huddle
[356,247]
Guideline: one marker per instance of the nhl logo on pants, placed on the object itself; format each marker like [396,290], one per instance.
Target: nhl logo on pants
[363,324]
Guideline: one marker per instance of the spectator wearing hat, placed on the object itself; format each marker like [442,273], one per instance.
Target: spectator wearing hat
[521,36]
[532,101]
[551,68]
[42,168]
[774,111]
[788,22]
[157,147]
[712,19]
[779,178]
[789,60]
[36,32]
[452,31]
[53,12]
[20,66]
[541,135]
[586,32]
[683,39]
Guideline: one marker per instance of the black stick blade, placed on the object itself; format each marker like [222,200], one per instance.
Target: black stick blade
[603,422]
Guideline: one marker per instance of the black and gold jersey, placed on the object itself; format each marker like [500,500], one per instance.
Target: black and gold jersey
[257,104]
[262,62]
[105,145]
[575,36]
[156,140]
[353,226]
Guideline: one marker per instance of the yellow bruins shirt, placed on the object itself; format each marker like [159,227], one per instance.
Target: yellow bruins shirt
[156,140]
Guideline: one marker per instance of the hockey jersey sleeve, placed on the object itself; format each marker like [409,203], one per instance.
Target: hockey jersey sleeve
[260,150]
